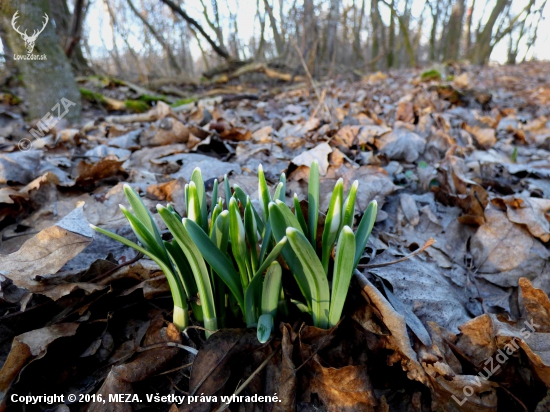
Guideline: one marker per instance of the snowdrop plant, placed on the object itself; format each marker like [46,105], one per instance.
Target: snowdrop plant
[324,303]
[168,256]
[199,259]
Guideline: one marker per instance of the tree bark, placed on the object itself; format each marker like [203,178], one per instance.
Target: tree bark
[177,9]
[377,31]
[481,51]
[69,30]
[391,36]
[171,58]
[332,27]
[454,32]
[276,36]
[48,82]
[468,42]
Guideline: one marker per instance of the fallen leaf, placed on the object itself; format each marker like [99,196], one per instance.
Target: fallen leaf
[401,144]
[529,211]
[28,347]
[319,153]
[46,253]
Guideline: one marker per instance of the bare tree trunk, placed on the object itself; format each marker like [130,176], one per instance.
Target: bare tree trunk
[260,49]
[69,28]
[49,82]
[279,45]
[469,16]
[214,25]
[332,27]
[391,37]
[357,33]
[377,33]
[481,51]
[454,32]
[220,50]
[404,32]
[123,36]
[171,58]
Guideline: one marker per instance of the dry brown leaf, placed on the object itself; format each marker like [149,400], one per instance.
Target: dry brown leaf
[46,253]
[319,153]
[529,211]
[27,347]
[170,191]
[399,339]
[287,384]
[484,136]
[504,251]
[405,112]
[401,144]
[347,388]
[146,364]
[90,173]
[537,305]
[211,367]
[170,131]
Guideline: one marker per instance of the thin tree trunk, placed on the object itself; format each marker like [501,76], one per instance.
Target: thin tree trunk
[391,36]
[468,42]
[454,32]
[273,22]
[214,25]
[332,27]
[375,21]
[404,32]
[482,50]
[220,50]
[171,58]
[357,33]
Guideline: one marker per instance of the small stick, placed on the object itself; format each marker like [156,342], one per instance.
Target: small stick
[428,243]
[224,406]
[113,270]
[175,369]
[163,345]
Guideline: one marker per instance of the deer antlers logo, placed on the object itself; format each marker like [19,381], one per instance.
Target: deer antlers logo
[29,40]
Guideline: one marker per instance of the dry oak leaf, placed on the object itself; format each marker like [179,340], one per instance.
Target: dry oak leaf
[144,365]
[401,144]
[319,153]
[503,252]
[529,211]
[342,389]
[535,345]
[170,131]
[399,340]
[536,304]
[28,346]
[92,172]
[484,136]
[46,253]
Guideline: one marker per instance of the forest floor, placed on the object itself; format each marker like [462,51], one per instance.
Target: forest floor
[462,325]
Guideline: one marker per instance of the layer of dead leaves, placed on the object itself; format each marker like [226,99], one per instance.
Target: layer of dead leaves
[466,162]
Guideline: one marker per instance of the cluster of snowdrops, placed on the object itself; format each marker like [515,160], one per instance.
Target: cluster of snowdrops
[227,257]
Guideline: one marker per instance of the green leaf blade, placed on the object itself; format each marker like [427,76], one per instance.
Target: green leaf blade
[343,270]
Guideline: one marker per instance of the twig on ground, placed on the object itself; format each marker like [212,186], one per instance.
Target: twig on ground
[104,276]
[224,406]
[426,245]
[164,344]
